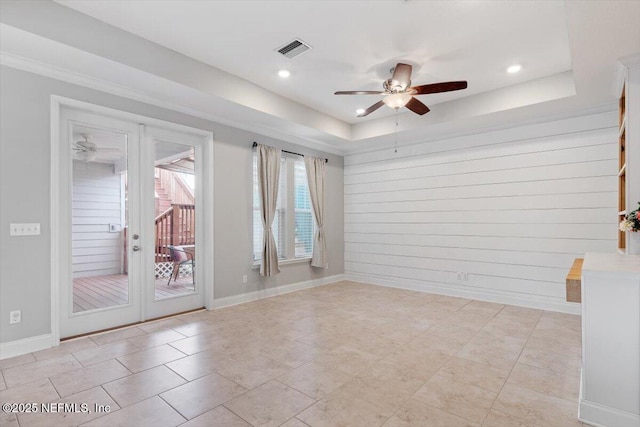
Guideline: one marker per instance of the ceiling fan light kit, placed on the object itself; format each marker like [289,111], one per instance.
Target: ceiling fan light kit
[87,151]
[86,156]
[399,92]
[397,100]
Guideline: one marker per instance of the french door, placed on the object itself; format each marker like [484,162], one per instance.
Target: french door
[130,218]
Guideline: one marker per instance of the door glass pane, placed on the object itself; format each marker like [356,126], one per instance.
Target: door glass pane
[175,220]
[99,219]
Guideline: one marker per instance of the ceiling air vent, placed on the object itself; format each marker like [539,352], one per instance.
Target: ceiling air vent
[293,49]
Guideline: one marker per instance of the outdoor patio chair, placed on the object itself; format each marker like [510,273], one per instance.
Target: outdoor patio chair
[181,257]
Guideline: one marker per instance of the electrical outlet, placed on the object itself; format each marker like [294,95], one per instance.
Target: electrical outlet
[244,279]
[15,317]
[22,229]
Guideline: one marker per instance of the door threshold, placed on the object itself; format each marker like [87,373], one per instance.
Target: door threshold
[131,324]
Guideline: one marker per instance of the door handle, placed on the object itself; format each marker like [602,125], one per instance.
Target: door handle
[136,248]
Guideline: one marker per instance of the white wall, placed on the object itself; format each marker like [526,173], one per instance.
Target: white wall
[97,203]
[512,209]
[24,197]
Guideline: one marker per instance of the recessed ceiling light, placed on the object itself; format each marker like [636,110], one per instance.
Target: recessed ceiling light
[284,73]
[360,111]
[514,68]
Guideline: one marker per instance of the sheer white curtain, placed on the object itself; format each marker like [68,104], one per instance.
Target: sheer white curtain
[316,171]
[268,175]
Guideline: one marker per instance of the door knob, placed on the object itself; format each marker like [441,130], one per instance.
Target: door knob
[135,237]
[136,248]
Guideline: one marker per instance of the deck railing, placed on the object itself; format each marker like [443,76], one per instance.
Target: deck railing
[175,226]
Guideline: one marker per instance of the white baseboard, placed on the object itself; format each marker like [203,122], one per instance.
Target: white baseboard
[498,296]
[597,415]
[24,346]
[272,292]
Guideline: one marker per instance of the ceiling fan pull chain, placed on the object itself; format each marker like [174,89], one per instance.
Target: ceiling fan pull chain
[396,132]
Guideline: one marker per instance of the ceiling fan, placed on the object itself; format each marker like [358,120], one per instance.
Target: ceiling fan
[88,151]
[399,93]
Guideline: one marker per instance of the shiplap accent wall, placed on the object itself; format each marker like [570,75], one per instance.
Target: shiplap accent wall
[97,202]
[511,209]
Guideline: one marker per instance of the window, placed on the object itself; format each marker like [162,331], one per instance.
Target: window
[294,225]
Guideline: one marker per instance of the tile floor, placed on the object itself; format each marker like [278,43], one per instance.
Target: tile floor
[345,354]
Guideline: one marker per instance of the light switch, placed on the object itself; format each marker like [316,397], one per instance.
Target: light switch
[31,229]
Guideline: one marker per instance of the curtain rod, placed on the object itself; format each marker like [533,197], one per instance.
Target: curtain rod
[255,144]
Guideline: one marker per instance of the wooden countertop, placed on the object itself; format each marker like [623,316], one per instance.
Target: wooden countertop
[574,281]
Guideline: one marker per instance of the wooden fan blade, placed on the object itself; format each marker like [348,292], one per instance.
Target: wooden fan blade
[371,109]
[439,87]
[401,75]
[417,106]
[358,92]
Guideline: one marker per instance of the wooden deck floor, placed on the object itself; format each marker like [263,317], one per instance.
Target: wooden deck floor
[94,292]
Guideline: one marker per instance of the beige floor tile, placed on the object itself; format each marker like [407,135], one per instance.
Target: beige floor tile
[560,335]
[36,370]
[116,335]
[94,398]
[423,363]
[417,414]
[86,378]
[143,385]
[545,381]
[457,332]
[432,341]
[270,404]
[202,395]
[153,412]
[16,361]
[361,349]
[252,371]
[475,374]
[315,379]
[463,400]
[342,410]
[65,347]
[473,319]
[571,348]
[92,356]
[556,362]
[383,387]
[218,417]
[8,420]
[554,321]
[500,419]
[534,407]
[486,353]
[191,328]
[37,391]
[150,357]
[507,326]
[291,353]
[294,422]
[348,359]
[197,343]
[156,338]
[509,343]
[197,365]
[155,325]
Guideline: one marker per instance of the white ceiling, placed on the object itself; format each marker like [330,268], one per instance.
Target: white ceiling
[354,44]
[216,60]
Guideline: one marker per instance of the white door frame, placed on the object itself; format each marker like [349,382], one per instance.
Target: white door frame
[60,231]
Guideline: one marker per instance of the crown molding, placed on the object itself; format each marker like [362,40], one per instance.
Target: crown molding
[51,71]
